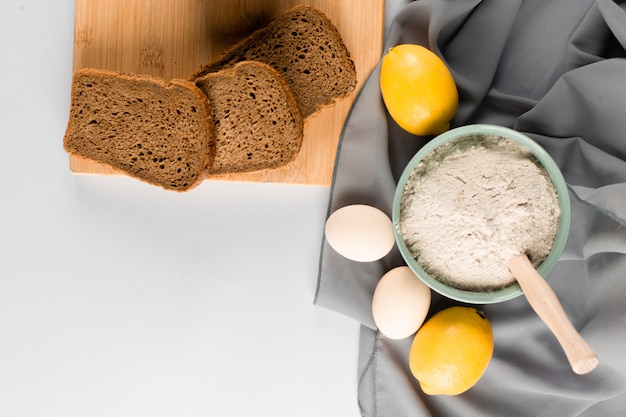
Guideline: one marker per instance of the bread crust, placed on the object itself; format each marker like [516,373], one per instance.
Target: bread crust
[306,48]
[155,130]
[258,122]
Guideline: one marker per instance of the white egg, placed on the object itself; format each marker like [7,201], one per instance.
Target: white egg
[400,304]
[360,232]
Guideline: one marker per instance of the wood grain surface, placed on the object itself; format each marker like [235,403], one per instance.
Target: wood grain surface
[173,39]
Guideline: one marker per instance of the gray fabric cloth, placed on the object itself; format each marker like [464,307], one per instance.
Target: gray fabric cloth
[555,70]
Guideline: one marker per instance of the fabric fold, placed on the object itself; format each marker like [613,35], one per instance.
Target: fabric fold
[555,71]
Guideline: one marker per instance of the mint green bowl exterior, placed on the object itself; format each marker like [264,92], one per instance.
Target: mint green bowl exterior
[512,291]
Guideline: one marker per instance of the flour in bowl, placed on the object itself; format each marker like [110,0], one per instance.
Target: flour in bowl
[471,205]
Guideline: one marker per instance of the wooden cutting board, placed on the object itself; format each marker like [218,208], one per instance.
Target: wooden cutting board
[173,39]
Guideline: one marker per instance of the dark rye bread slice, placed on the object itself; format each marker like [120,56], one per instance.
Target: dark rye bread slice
[304,46]
[258,124]
[157,131]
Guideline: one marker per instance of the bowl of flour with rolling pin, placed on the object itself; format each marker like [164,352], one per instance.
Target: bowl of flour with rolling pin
[481,215]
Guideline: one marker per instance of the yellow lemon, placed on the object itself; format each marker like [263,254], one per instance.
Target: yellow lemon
[451,351]
[418,90]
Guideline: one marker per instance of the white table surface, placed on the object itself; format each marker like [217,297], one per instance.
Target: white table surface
[120,299]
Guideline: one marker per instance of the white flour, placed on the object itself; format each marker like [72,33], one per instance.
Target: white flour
[472,205]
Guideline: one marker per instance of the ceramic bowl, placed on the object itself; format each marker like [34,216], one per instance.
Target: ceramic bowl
[511,291]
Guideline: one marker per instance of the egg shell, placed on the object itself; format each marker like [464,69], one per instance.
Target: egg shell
[360,232]
[400,304]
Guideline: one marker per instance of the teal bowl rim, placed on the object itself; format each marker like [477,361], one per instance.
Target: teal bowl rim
[563,225]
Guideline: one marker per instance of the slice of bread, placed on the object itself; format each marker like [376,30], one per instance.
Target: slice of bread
[304,46]
[157,131]
[258,124]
